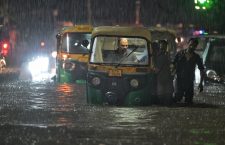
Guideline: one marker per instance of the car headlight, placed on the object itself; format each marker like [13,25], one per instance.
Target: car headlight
[35,67]
[212,75]
[96,81]
[134,83]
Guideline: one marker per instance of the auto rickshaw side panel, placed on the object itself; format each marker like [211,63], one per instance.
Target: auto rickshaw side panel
[72,68]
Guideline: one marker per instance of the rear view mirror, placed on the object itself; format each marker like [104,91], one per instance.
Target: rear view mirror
[58,36]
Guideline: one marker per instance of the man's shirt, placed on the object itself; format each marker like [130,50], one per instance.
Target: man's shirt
[186,62]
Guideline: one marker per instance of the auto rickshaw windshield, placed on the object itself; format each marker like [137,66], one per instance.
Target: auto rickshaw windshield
[119,50]
[73,42]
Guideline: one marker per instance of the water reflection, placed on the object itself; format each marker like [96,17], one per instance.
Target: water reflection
[65,88]
[133,118]
[47,109]
[132,115]
[64,121]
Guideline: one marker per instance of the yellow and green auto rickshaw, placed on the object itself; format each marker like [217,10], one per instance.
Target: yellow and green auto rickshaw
[163,33]
[72,53]
[117,79]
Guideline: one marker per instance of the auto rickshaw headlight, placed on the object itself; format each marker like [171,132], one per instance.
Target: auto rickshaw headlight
[69,66]
[134,83]
[96,81]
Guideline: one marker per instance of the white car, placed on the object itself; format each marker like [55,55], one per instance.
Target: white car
[214,60]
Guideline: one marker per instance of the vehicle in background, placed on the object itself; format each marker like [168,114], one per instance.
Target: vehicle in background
[161,33]
[214,59]
[203,40]
[124,81]
[72,53]
[209,48]
[4,47]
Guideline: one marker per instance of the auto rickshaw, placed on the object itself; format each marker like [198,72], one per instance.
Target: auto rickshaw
[72,53]
[118,80]
[162,33]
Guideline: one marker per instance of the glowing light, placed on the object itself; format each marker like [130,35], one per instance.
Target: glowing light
[42,44]
[197,7]
[199,32]
[5,48]
[54,54]
[39,72]
[65,56]
[67,43]
[202,1]
[203,4]
[5,45]
[179,40]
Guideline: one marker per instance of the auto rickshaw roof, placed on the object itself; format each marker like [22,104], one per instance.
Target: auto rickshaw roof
[129,31]
[77,28]
[163,29]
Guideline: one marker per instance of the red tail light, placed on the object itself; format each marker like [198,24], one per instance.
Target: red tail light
[5,45]
[5,48]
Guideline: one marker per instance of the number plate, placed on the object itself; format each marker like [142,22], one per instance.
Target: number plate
[115,73]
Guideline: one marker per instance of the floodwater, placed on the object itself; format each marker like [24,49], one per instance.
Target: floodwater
[46,113]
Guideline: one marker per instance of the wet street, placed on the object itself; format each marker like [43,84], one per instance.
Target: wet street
[46,113]
[118,46]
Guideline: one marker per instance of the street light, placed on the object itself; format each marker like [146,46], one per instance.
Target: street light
[42,44]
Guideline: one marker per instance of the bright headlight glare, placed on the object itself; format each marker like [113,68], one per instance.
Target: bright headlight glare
[36,68]
[54,54]
[211,74]
[96,81]
[134,83]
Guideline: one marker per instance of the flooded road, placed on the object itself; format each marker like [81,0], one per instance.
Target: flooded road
[45,113]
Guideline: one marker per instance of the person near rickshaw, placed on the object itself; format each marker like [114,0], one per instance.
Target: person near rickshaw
[2,62]
[185,63]
[162,69]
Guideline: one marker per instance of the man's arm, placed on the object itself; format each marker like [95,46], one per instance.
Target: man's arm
[202,73]
[202,77]
[173,65]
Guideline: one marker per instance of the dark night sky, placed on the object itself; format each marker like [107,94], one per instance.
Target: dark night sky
[117,12]
[35,17]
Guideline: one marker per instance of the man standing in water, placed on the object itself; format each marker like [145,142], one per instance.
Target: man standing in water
[185,62]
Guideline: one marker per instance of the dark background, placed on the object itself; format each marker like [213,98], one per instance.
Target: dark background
[40,12]
[36,20]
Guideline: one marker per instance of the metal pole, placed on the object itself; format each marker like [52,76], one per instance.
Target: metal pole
[89,11]
[137,12]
